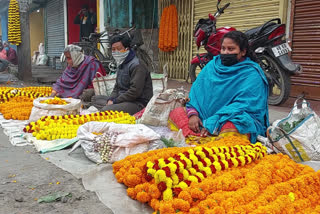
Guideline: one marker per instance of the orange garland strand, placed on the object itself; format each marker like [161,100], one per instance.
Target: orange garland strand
[168,32]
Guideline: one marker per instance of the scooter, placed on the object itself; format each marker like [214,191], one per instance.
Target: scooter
[266,41]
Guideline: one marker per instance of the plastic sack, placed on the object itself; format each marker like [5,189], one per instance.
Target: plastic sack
[159,107]
[42,59]
[103,85]
[297,135]
[130,139]
[43,109]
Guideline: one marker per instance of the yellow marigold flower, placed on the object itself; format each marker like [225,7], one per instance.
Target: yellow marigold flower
[215,158]
[182,185]
[151,172]
[181,166]
[193,171]
[169,182]
[200,165]
[243,162]
[217,166]
[209,150]
[172,168]
[171,159]
[167,194]
[194,159]
[235,162]
[200,175]
[207,171]
[191,151]
[185,174]
[159,176]
[162,163]
[208,162]
[201,154]
[215,149]
[193,179]
[175,179]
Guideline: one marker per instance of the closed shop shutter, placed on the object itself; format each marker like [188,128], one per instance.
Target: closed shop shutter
[241,14]
[306,48]
[55,28]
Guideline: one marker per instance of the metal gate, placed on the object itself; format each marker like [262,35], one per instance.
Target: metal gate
[305,30]
[54,28]
[179,60]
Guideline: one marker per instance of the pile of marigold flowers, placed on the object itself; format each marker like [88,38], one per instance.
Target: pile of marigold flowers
[17,103]
[66,126]
[242,180]
[18,108]
[54,101]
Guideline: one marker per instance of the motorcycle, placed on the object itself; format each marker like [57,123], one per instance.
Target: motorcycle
[267,43]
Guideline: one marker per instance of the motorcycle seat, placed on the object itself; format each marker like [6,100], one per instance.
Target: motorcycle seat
[253,32]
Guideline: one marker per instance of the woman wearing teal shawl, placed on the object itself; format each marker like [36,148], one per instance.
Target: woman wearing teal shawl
[231,91]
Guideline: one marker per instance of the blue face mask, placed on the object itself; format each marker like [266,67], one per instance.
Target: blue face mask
[7,48]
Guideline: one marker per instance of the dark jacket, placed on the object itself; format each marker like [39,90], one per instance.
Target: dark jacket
[88,27]
[133,82]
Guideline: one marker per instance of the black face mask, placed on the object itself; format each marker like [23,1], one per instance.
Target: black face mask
[229,59]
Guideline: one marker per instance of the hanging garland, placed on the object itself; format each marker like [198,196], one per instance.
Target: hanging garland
[14,31]
[168,32]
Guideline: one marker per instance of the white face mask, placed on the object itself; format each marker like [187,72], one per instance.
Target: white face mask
[120,57]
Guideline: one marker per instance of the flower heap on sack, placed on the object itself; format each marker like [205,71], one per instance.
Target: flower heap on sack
[272,184]
[104,144]
[55,101]
[60,127]
[17,103]
[14,31]
[168,32]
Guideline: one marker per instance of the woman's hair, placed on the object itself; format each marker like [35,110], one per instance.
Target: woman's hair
[72,48]
[121,38]
[242,41]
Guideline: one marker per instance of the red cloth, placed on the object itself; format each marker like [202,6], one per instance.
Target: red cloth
[232,127]
[178,116]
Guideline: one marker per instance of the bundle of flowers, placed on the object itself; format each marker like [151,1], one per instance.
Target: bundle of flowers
[54,101]
[18,108]
[168,31]
[105,145]
[14,31]
[220,179]
[66,126]
[6,93]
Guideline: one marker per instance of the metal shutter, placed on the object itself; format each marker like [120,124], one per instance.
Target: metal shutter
[241,14]
[306,47]
[55,28]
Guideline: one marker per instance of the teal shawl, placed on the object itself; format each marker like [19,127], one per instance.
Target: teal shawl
[237,93]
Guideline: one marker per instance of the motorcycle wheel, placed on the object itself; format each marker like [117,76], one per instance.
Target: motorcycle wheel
[193,72]
[279,80]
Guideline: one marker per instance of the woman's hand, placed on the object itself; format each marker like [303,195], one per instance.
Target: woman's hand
[195,123]
[110,102]
[204,132]
[53,93]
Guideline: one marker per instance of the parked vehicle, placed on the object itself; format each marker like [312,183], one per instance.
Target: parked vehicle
[90,47]
[268,43]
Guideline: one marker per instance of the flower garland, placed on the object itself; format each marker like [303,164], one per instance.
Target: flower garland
[6,93]
[274,184]
[176,173]
[105,145]
[66,126]
[14,31]
[168,32]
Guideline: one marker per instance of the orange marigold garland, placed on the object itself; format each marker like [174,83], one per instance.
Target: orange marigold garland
[168,32]
[273,184]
